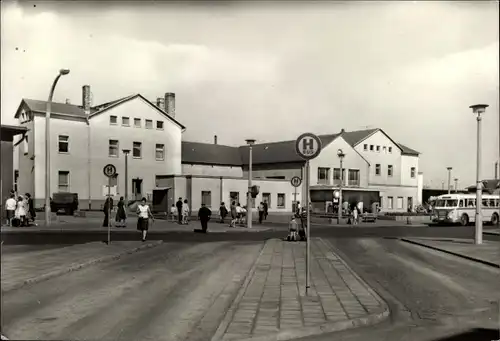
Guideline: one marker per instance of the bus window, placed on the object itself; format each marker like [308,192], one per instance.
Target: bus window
[452,203]
[492,202]
[461,203]
[472,202]
[485,202]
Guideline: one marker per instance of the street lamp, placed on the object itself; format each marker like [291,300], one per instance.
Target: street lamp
[456,185]
[341,156]
[478,109]
[126,152]
[250,143]
[449,178]
[62,72]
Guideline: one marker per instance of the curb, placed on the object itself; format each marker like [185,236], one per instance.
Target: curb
[76,267]
[491,233]
[328,327]
[221,329]
[451,253]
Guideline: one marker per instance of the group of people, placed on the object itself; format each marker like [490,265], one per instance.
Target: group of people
[180,212]
[19,210]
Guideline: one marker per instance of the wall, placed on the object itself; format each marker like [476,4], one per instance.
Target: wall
[328,159]
[213,184]
[420,188]
[407,162]
[26,180]
[395,192]
[146,167]
[191,169]
[382,158]
[262,171]
[7,171]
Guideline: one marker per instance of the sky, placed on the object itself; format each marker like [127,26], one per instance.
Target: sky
[271,71]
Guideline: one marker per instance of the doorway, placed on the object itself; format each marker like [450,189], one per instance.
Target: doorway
[137,188]
[410,204]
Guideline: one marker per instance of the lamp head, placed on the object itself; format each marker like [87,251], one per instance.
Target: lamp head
[126,151]
[449,168]
[340,153]
[479,108]
[63,72]
[250,141]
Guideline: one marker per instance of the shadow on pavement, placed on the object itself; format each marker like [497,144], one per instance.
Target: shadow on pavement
[477,334]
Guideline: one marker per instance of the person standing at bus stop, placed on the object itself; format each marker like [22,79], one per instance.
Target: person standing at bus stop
[178,204]
[143,216]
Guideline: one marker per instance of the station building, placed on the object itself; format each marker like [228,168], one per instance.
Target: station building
[87,137]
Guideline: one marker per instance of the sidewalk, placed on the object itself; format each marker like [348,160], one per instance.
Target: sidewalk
[23,268]
[273,305]
[487,253]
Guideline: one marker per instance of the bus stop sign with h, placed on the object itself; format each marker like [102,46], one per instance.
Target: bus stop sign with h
[110,171]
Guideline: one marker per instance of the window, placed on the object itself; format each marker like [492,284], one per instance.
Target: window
[471,203]
[389,170]
[336,175]
[281,200]
[113,148]
[160,152]
[400,202]
[353,177]
[390,202]
[390,149]
[384,148]
[323,174]
[137,122]
[381,202]
[371,147]
[377,169]
[137,152]
[266,197]
[159,125]
[113,120]
[63,144]
[206,198]
[412,172]
[149,124]
[365,147]
[485,203]
[63,183]
[378,149]
[125,121]
[234,196]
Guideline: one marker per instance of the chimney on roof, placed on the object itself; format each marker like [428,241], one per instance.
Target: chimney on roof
[86,99]
[68,101]
[342,131]
[170,104]
[215,139]
[160,103]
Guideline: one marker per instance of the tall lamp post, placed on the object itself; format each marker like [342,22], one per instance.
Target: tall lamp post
[456,184]
[341,156]
[449,179]
[126,152]
[250,143]
[62,72]
[478,109]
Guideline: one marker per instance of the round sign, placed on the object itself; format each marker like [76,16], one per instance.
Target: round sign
[109,170]
[296,181]
[308,146]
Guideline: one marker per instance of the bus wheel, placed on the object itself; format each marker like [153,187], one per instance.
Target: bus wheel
[494,219]
[464,220]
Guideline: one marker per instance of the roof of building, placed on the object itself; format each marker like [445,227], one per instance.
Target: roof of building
[488,184]
[77,110]
[356,137]
[8,131]
[212,154]
[408,151]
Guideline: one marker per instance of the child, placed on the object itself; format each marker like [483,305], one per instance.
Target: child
[293,227]
[173,213]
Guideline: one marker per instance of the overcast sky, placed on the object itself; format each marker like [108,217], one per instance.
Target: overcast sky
[273,71]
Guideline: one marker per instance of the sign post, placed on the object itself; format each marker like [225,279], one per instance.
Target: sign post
[308,146]
[110,171]
[296,181]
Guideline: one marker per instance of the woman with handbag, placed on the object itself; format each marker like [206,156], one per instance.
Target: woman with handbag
[143,215]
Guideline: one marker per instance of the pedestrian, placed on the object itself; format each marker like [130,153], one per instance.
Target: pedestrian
[261,212]
[108,205]
[354,214]
[234,214]
[292,230]
[10,208]
[121,215]
[173,213]
[185,212]
[266,210]
[179,210]
[239,214]
[204,215]
[222,212]
[143,216]
[21,211]
[31,209]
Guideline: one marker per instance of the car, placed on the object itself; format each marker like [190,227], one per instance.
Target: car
[64,201]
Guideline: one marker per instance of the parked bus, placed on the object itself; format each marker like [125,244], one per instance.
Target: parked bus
[461,208]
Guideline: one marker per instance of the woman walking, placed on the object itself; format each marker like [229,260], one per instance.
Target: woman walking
[21,211]
[185,212]
[143,215]
[121,215]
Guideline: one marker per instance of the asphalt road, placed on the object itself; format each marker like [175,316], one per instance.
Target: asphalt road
[431,295]
[175,291]
[279,231]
